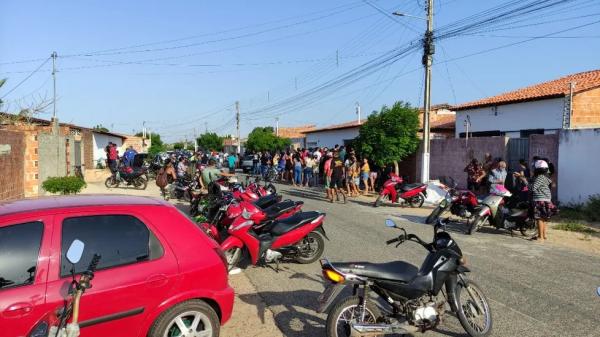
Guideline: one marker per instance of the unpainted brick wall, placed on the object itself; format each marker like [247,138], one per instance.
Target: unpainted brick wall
[12,164]
[88,150]
[586,109]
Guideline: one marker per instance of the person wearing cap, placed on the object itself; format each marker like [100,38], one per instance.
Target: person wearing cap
[541,196]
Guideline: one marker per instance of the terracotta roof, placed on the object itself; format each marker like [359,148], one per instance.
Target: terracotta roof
[556,88]
[443,123]
[295,131]
[346,125]
[437,107]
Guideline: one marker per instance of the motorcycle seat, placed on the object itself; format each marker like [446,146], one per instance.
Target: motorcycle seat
[396,271]
[268,200]
[409,187]
[297,220]
[280,208]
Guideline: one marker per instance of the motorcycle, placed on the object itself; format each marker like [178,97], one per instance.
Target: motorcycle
[503,210]
[412,299]
[217,229]
[128,176]
[396,191]
[298,237]
[461,203]
[55,324]
[257,188]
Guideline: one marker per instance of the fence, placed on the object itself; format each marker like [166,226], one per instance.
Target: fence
[12,162]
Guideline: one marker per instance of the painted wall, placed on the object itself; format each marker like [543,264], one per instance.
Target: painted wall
[545,114]
[100,142]
[578,163]
[330,137]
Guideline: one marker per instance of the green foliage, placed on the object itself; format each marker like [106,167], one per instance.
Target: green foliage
[2,81]
[178,146]
[588,211]
[592,208]
[574,227]
[389,135]
[64,185]
[264,139]
[156,145]
[210,141]
[101,128]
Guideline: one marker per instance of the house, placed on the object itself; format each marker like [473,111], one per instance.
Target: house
[100,140]
[570,102]
[441,121]
[230,145]
[296,134]
[329,136]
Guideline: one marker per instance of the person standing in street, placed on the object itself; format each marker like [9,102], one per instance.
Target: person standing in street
[327,159]
[297,181]
[308,170]
[365,170]
[231,160]
[541,194]
[337,178]
[475,174]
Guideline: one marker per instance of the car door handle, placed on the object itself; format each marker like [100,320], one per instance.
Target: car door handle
[156,281]
[17,310]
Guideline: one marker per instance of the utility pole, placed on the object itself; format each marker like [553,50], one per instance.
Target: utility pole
[358,111]
[428,51]
[237,119]
[205,127]
[54,56]
[337,58]
[277,126]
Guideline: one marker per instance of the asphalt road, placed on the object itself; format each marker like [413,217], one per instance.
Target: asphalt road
[534,289]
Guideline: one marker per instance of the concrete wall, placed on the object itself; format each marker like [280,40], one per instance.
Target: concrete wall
[544,114]
[56,157]
[579,163]
[12,162]
[329,138]
[99,143]
[449,157]
[586,109]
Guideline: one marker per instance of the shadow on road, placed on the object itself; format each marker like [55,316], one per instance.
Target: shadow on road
[294,311]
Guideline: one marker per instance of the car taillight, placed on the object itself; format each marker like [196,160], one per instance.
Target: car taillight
[221,254]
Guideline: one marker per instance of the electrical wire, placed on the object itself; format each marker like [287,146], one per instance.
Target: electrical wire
[27,77]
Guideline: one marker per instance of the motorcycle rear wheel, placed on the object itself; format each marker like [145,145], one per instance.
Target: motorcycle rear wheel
[467,312]
[435,214]
[416,201]
[233,256]
[140,183]
[311,248]
[380,200]
[347,311]
[476,223]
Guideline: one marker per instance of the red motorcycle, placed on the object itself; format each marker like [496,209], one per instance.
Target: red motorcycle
[217,229]
[462,203]
[395,190]
[298,237]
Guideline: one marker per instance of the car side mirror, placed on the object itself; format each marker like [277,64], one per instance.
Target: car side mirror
[390,223]
[75,251]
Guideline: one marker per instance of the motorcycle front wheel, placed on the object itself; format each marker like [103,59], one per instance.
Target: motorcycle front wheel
[349,311]
[140,183]
[476,223]
[233,256]
[473,309]
[434,215]
[110,182]
[380,200]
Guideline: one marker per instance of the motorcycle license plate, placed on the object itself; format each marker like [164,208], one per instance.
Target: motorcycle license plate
[328,296]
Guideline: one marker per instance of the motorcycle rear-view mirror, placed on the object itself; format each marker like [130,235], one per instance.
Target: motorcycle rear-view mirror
[75,251]
[598,291]
[390,223]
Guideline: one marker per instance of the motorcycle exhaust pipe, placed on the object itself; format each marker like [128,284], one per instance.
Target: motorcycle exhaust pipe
[364,330]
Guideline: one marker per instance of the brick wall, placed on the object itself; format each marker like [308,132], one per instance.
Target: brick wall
[586,109]
[12,155]
[88,149]
[448,157]
[139,144]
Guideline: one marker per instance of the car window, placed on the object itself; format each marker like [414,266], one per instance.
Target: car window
[19,250]
[118,239]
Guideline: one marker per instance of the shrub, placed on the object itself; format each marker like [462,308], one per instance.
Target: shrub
[574,227]
[592,208]
[64,185]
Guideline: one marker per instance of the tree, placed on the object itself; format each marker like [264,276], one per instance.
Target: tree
[390,135]
[178,146]
[264,139]
[100,127]
[156,146]
[210,141]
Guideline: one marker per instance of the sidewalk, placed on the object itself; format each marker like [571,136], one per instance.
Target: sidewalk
[251,317]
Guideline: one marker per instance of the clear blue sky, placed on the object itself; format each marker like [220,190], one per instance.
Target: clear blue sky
[196,61]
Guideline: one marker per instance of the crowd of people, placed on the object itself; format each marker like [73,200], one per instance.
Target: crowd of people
[532,183]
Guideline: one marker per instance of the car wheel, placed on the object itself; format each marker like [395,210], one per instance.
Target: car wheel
[190,318]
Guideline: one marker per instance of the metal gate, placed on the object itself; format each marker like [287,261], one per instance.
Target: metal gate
[77,152]
[516,149]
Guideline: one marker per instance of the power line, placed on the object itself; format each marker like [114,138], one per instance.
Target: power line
[27,77]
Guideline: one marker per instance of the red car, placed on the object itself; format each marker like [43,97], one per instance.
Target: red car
[159,273]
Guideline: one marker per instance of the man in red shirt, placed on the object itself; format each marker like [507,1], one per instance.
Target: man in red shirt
[327,171]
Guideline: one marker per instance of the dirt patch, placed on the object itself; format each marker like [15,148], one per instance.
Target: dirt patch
[585,242]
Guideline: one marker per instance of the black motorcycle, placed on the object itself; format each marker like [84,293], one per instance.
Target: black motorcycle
[129,176]
[411,299]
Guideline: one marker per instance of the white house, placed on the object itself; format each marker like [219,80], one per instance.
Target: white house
[570,102]
[101,139]
[329,136]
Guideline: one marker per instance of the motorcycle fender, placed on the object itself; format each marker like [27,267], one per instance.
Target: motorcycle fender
[321,230]
[451,282]
[327,299]
[232,242]
[485,211]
